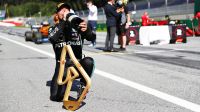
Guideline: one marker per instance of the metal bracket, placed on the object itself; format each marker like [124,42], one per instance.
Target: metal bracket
[72,74]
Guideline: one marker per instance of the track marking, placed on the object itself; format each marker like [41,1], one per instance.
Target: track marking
[106,53]
[157,51]
[32,48]
[172,99]
[149,52]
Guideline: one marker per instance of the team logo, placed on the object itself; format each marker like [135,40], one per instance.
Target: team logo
[132,33]
[178,32]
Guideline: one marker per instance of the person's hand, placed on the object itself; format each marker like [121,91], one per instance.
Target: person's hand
[118,10]
[83,26]
[127,25]
[122,9]
[66,11]
[65,16]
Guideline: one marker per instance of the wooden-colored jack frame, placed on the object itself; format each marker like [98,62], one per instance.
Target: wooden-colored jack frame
[72,74]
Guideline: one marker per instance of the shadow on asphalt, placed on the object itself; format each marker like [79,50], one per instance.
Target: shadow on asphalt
[100,48]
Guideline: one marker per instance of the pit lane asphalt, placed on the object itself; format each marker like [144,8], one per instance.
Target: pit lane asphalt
[173,69]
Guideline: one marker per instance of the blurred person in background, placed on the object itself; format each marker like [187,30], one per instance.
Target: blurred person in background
[112,15]
[123,23]
[92,19]
[197,16]
[146,21]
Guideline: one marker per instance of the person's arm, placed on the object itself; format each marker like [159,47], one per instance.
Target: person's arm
[55,32]
[128,17]
[86,32]
[128,20]
[114,12]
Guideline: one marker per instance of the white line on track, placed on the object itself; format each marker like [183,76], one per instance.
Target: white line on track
[149,52]
[175,100]
[157,51]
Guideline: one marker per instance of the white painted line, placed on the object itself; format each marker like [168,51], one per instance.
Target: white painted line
[176,49]
[175,100]
[32,48]
[157,51]
[149,52]
[156,93]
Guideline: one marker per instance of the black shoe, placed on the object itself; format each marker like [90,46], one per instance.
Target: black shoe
[81,88]
[114,50]
[57,99]
[105,50]
[122,49]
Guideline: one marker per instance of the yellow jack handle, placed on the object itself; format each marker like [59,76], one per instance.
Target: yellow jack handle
[72,74]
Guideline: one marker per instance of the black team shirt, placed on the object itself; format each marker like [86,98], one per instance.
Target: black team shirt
[63,34]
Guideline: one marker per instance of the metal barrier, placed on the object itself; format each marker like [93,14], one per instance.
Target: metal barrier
[183,9]
[162,10]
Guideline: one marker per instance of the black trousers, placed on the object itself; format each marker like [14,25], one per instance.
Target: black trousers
[93,25]
[111,31]
[57,91]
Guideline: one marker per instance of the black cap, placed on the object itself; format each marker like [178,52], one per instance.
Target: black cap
[62,5]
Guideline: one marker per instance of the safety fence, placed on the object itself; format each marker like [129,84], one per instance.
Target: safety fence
[183,9]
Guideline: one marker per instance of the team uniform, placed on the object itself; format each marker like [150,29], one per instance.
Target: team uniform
[63,34]
[197,15]
[145,20]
